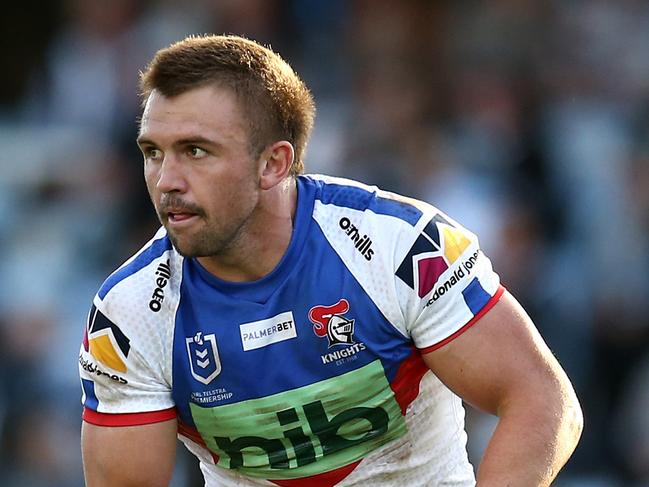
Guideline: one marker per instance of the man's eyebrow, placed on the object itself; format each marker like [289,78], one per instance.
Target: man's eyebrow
[195,140]
[143,141]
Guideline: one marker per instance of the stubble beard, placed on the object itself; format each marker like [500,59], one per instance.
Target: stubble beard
[210,240]
[206,242]
[200,245]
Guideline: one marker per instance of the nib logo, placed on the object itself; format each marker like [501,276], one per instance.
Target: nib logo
[438,247]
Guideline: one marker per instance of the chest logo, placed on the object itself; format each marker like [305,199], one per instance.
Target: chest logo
[330,321]
[204,359]
[259,334]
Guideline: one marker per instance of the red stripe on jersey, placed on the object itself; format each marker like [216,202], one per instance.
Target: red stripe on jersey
[127,419]
[327,479]
[193,434]
[490,304]
[406,382]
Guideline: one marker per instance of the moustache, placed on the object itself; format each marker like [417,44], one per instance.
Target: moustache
[172,203]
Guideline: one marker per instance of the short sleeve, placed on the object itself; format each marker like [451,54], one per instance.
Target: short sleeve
[121,383]
[451,283]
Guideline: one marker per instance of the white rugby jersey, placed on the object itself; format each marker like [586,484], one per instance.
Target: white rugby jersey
[313,374]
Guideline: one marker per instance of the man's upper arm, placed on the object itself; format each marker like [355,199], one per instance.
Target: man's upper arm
[500,359]
[129,417]
[126,456]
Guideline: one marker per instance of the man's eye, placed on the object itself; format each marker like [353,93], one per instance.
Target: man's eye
[153,154]
[197,152]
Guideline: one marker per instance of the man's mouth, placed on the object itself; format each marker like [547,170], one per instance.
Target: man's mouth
[177,217]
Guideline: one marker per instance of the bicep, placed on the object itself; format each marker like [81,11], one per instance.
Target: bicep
[500,359]
[129,455]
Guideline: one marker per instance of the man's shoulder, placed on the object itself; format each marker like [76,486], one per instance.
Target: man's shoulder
[154,261]
[129,327]
[343,193]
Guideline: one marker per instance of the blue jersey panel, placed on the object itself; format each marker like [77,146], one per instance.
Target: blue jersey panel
[360,199]
[308,321]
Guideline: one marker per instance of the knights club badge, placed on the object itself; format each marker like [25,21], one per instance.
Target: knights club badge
[330,321]
[204,357]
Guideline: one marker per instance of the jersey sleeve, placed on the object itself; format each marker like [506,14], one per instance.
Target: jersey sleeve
[449,282]
[122,369]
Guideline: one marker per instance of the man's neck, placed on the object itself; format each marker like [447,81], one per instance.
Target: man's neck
[263,240]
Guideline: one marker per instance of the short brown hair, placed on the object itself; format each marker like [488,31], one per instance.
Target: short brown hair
[276,102]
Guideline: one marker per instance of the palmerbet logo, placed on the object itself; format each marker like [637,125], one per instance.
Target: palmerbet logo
[438,247]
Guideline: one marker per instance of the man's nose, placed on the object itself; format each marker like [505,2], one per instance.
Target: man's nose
[171,176]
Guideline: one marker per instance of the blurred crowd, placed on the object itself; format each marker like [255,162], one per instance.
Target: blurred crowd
[527,121]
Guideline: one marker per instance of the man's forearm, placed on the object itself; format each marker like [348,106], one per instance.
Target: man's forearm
[531,443]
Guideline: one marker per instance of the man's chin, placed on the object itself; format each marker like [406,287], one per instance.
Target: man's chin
[193,245]
[181,247]
[187,250]
[185,253]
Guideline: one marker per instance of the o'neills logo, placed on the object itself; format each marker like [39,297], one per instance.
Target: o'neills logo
[164,274]
[362,243]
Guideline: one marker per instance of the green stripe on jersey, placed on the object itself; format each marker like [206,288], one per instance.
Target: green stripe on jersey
[305,431]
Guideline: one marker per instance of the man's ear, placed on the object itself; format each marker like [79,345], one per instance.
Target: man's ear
[276,162]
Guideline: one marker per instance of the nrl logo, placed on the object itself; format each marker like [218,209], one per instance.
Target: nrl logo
[329,321]
[204,357]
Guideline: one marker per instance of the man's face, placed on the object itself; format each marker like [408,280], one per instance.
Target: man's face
[199,171]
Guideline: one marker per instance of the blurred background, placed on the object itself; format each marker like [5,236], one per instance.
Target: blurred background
[527,121]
